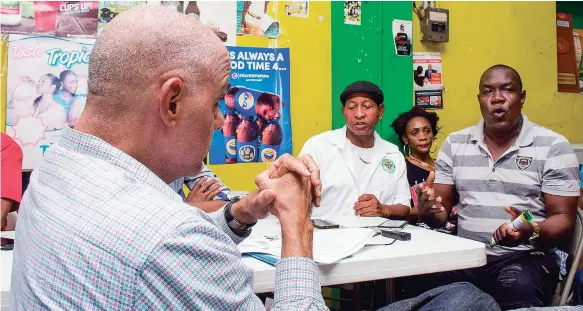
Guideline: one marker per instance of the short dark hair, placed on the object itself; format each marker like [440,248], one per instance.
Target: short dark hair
[64,74]
[504,67]
[399,125]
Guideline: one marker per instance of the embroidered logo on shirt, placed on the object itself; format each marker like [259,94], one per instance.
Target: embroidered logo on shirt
[388,165]
[523,162]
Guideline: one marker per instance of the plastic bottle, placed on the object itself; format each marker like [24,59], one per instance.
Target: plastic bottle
[229,132]
[246,140]
[251,103]
[27,9]
[10,13]
[230,100]
[192,10]
[271,138]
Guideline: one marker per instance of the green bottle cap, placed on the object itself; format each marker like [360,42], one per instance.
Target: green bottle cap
[527,215]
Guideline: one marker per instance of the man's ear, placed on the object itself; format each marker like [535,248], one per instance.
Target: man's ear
[522,98]
[382,110]
[170,94]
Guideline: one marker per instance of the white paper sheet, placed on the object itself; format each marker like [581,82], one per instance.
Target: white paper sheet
[329,245]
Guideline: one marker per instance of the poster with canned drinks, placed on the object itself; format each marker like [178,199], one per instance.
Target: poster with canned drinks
[257,126]
[46,89]
[68,19]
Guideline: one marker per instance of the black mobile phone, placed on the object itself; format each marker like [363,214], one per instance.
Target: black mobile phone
[324,224]
[393,224]
[397,235]
[7,244]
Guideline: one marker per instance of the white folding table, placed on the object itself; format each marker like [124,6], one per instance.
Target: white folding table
[427,252]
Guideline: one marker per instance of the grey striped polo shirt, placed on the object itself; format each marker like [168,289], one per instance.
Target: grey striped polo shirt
[539,161]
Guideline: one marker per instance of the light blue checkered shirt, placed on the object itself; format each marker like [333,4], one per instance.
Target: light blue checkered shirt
[99,231]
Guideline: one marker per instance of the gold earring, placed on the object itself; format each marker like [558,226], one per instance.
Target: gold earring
[433,143]
[405,150]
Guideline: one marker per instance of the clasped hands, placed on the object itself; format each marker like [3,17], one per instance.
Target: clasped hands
[287,190]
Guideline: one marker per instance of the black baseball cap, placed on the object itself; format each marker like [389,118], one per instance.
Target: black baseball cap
[367,87]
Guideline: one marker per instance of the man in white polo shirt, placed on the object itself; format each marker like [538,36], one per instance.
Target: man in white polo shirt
[362,174]
[500,168]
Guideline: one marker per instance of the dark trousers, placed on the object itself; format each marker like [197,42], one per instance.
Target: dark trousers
[578,286]
[516,281]
[452,297]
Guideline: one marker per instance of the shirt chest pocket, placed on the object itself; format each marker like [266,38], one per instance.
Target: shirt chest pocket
[336,177]
[528,173]
[383,183]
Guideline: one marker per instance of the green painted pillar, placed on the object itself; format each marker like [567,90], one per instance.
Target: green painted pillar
[367,52]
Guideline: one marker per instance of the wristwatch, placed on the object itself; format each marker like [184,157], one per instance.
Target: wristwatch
[238,228]
[535,233]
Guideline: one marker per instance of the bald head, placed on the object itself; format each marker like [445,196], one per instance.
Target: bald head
[144,43]
[155,78]
[512,71]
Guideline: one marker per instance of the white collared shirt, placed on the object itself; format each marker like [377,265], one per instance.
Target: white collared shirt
[342,181]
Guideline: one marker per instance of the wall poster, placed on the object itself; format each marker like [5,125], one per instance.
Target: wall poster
[257,18]
[257,125]
[46,89]
[427,80]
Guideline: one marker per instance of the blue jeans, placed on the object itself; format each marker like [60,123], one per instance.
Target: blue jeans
[453,297]
[578,286]
[516,281]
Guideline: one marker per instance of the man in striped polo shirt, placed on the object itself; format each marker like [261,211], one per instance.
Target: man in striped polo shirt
[497,169]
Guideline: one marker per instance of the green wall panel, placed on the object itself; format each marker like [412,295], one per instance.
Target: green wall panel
[366,52]
[575,8]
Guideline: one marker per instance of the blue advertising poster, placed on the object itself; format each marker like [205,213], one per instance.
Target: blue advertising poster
[257,125]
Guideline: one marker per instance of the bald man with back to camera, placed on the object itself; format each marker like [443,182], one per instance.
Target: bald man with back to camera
[100,229]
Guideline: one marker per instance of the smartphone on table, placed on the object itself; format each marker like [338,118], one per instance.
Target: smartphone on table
[324,224]
[7,244]
[393,224]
